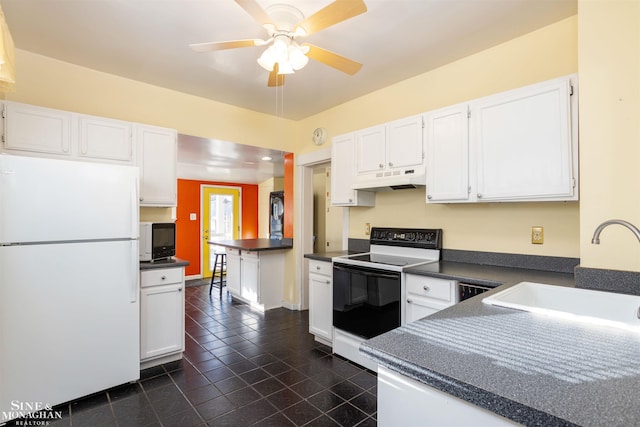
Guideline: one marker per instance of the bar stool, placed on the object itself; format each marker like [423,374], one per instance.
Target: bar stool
[221,259]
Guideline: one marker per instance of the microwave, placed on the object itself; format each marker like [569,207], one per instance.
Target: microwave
[157,240]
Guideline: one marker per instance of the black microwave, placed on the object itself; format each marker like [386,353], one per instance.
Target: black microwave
[157,240]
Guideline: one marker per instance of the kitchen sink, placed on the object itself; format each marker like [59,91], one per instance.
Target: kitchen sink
[581,305]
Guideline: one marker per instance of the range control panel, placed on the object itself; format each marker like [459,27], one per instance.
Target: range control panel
[425,238]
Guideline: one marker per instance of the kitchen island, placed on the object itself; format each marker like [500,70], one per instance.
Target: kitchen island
[527,368]
[255,270]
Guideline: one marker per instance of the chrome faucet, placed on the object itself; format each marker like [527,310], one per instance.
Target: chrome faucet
[596,234]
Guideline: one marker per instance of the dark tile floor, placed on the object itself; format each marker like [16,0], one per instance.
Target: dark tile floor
[240,368]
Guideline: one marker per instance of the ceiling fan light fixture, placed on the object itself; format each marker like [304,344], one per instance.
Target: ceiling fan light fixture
[285,67]
[266,60]
[297,57]
[280,48]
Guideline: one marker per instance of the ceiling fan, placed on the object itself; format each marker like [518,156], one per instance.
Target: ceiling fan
[284,24]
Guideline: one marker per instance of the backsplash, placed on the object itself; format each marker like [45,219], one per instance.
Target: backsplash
[627,282]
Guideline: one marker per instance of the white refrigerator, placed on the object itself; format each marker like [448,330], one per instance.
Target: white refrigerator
[69,310]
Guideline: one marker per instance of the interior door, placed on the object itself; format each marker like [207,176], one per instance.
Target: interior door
[220,221]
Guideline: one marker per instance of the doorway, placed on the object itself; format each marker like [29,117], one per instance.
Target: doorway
[220,221]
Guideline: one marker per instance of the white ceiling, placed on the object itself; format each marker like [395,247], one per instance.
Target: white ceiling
[147,40]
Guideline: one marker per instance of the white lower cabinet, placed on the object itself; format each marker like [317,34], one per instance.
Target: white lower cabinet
[403,401]
[427,295]
[321,301]
[161,316]
[233,271]
[256,277]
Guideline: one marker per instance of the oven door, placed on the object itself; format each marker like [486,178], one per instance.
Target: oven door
[366,301]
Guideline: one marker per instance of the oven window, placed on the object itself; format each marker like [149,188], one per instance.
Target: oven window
[366,301]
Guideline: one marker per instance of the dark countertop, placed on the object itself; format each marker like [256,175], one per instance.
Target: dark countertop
[326,256]
[533,369]
[488,275]
[255,244]
[165,263]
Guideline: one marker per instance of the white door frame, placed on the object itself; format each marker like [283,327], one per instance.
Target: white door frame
[303,239]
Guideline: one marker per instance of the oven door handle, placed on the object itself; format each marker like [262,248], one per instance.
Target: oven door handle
[366,273]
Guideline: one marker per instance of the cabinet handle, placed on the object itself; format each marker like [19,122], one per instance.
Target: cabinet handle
[479,195]
[179,289]
[381,165]
[426,288]
[350,200]
[429,196]
[317,267]
[390,164]
[163,278]
[409,301]
[328,282]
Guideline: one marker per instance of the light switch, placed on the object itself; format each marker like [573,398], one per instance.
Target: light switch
[193,216]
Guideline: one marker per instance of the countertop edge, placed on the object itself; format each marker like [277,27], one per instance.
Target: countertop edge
[170,263]
[256,245]
[499,405]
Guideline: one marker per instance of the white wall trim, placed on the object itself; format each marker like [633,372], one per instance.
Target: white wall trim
[303,239]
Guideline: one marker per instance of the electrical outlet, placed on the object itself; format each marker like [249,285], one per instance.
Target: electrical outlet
[537,235]
[367,228]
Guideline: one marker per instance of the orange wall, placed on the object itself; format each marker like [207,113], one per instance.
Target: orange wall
[288,198]
[188,232]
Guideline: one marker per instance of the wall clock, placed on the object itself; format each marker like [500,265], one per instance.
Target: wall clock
[319,136]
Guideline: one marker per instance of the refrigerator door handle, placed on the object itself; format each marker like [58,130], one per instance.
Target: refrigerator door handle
[133,292]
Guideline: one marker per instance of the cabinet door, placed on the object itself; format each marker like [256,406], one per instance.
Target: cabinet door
[447,141]
[524,143]
[406,402]
[36,129]
[157,161]
[250,277]
[161,320]
[371,150]
[342,167]
[321,305]
[233,271]
[417,309]
[105,139]
[404,143]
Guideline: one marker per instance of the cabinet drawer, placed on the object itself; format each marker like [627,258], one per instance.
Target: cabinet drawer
[430,287]
[320,267]
[250,254]
[232,251]
[162,276]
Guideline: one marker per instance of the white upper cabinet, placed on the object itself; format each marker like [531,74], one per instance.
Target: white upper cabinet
[405,146]
[343,171]
[157,156]
[524,144]
[32,129]
[447,140]
[105,139]
[390,154]
[519,145]
[371,149]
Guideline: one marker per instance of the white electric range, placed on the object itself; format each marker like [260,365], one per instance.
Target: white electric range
[368,288]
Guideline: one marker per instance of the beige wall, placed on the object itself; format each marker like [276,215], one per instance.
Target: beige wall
[55,84]
[609,52]
[505,227]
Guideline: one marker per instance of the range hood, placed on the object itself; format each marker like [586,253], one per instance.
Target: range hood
[390,181]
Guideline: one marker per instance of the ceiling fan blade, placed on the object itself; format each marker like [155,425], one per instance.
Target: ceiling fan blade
[334,60]
[232,44]
[275,79]
[338,11]
[253,8]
